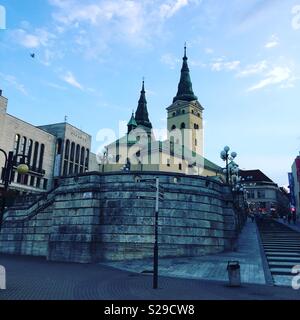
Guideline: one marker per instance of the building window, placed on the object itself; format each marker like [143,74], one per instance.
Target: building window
[29,151]
[45,184]
[67,150]
[38,182]
[41,160]
[59,146]
[168,163]
[180,166]
[72,152]
[23,145]
[32,180]
[198,114]
[87,159]
[173,127]
[77,153]
[35,155]
[196,126]
[65,169]
[261,194]
[251,194]
[193,112]
[17,143]
[182,126]
[174,114]
[71,168]
[82,156]
[196,142]
[183,111]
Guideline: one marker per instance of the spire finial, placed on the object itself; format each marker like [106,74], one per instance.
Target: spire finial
[185,49]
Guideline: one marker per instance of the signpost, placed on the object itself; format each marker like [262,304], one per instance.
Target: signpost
[159,196]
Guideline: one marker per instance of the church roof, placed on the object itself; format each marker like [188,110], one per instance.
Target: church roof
[141,115]
[185,87]
[132,121]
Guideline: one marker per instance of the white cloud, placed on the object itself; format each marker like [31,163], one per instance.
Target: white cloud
[278,75]
[169,8]
[220,65]
[209,50]
[170,60]
[253,69]
[12,80]
[71,80]
[40,37]
[273,42]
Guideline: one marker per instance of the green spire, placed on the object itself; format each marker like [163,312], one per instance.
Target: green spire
[132,123]
[141,115]
[185,87]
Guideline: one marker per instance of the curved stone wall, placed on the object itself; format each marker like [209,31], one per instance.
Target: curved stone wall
[96,217]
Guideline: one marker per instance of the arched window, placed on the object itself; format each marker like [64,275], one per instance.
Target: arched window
[17,143]
[67,150]
[182,126]
[193,112]
[173,127]
[23,146]
[35,155]
[72,152]
[59,146]
[29,151]
[41,160]
[174,114]
[87,159]
[82,156]
[196,126]
[77,153]
[198,114]
[183,111]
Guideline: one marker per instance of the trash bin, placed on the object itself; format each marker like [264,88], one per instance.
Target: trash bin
[234,273]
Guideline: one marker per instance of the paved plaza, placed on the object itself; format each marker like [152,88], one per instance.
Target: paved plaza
[212,267]
[36,279]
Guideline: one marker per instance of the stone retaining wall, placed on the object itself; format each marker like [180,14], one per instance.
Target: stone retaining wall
[97,217]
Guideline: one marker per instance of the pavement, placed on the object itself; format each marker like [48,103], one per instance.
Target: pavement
[37,279]
[211,267]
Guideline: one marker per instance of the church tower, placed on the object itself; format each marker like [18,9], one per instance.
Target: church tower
[186,113]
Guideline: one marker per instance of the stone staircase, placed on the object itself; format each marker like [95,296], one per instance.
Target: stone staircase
[281,245]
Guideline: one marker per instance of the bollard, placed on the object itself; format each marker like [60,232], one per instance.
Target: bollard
[2,278]
[234,273]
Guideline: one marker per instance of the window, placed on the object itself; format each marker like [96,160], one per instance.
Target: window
[198,114]
[193,112]
[71,168]
[65,169]
[173,127]
[45,184]
[59,146]
[87,159]
[168,163]
[41,160]
[35,155]
[72,152]
[182,126]
[251,194]
[261,194]
[180,166]
[67,150]
[82,156]
[32,180]
[77,153]
[23,146]
[29,151]
[38,182]
[183,111]
[17,143]
[196,142]
[196,126]
[174,114]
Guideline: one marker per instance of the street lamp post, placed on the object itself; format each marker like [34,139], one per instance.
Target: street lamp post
[10,162]
[225,156]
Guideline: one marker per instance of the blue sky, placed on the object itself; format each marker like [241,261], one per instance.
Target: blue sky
[91,57]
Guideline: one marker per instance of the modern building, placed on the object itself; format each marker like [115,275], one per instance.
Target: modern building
[263,194]
[181,152]
[51,151]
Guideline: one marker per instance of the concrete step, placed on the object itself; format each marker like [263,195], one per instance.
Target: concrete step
[287,259]
[279,250]
[281,271]
[281,264]
[282,254]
